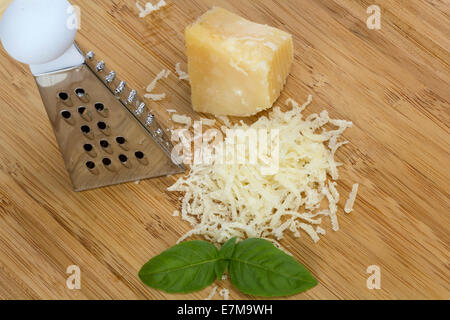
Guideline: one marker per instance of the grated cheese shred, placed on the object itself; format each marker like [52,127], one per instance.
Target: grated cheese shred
[150,8]
[176,213]
[164,74]
[181,74]
[212,293]
[155,97]
[221,201]
[225,293]
[208,122]
[351,199]
[182,119]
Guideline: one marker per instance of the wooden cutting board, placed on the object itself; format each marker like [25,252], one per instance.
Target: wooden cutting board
[392,83]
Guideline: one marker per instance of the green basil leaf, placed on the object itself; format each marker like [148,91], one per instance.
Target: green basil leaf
[221,267]
[225,254]
[185,268]
[258,268]
[227,250]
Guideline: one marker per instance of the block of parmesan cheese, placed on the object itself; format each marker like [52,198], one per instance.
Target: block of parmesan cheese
[236,67]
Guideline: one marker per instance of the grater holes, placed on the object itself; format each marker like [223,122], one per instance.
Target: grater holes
[88,147]
[123,143]
[87,132]
[82,110]
[139,155]
[90,165]
[123,158]
[80,92]
[84,113]
[104,128]
[102,125]
[66,114]
[102,111]
[82,95]
[99,107]
[104,144]
[85,129]
[64,96]
[141,158]
[106,162]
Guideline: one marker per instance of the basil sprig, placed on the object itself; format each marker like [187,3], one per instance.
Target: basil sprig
[256,267]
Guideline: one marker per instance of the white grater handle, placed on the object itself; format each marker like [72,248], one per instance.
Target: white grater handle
[41,33]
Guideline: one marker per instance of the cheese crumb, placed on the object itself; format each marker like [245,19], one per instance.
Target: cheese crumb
[225,120]
[181,119]
[176,213]
[163,74]
[155,97]
[225,293]
[149,8]
[296,106]
[208,122]
[181,74]
[351,199]
[212,293]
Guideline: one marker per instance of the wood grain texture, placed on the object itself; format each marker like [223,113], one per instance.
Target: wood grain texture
[392,83]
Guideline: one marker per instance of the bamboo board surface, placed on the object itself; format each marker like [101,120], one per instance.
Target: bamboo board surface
[392,83]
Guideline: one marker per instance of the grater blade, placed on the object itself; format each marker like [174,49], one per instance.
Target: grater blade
[105,131]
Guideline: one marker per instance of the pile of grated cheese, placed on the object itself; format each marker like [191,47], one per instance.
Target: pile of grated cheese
[222,201]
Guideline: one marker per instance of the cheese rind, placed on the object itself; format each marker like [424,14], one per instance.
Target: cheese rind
[236,67]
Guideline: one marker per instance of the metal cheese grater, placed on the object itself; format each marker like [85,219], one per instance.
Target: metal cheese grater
[106,132]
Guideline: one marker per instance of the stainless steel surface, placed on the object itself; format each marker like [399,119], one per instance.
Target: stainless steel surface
[103,128]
